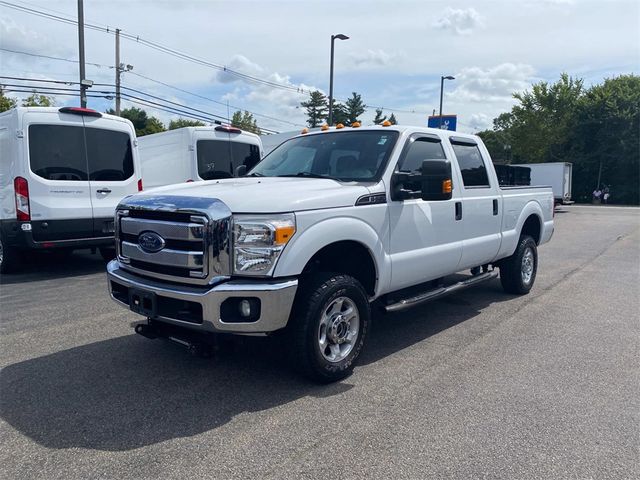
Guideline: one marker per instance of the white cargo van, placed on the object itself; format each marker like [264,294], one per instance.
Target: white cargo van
[62,173]
[196,153]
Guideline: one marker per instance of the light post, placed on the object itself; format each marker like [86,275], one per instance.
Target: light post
[442,79]
[339,36]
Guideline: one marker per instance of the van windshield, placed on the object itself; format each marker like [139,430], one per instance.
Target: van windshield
[347,156]
[57,152]
[220,158]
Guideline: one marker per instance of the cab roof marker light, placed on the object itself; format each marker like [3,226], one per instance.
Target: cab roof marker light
[80,111]
[386,123]
[339,126]
[324,127]
[355,124]
[304,131]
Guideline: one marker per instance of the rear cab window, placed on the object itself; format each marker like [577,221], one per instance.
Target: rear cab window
[220,158]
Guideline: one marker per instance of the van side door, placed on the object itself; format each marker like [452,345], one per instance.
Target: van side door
[480,206]
[425,237]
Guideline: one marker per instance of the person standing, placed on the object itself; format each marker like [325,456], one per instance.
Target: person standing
[597,194]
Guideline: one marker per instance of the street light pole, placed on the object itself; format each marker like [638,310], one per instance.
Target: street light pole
[83,87]
[339,36]
[442,79]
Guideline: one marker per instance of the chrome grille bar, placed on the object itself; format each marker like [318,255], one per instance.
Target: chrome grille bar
[167,230]
[168,257]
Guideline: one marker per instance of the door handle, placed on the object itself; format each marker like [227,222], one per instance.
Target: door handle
[495,206]
[458,210]
[103,190]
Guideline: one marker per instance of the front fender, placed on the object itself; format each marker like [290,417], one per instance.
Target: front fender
[310,240]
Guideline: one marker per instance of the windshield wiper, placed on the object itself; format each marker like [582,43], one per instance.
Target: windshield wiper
[255,174]
[305,174]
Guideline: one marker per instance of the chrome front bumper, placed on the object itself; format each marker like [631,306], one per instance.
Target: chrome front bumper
[276,300]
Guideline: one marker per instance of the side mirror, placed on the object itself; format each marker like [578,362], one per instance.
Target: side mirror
[436,180]
[241,170]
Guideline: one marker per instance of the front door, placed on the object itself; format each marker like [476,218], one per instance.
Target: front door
[425,238]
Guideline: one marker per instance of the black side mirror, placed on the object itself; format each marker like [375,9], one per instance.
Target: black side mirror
[241,170]
[436,180]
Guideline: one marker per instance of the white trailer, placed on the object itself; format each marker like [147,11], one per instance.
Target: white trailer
[558,175]
[196,153]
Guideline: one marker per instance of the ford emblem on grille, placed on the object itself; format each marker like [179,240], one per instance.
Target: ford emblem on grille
[151,242]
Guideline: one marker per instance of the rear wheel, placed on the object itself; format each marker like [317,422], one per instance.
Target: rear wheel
[9,257]
[518,272]
[329,324]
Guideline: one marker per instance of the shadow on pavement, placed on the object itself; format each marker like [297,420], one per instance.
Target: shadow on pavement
[129,392]
[38,266]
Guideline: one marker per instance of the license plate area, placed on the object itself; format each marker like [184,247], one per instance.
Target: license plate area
[143,302]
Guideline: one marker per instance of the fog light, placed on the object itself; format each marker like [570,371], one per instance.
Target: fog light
[245,308]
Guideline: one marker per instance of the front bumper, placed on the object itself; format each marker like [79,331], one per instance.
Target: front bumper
[275,297]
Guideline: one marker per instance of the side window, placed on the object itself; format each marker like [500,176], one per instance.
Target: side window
[109,154]
[422,148]
[474,172]
[56,152]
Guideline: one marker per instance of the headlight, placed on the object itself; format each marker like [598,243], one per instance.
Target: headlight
[258,241]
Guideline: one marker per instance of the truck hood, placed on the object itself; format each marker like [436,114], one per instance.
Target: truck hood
[268,194]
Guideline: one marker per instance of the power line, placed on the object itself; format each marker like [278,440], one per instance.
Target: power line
[53,58]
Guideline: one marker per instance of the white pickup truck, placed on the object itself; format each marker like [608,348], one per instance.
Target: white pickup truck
[322,227]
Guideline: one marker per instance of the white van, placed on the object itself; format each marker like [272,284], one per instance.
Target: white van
[62,173]
[196,153]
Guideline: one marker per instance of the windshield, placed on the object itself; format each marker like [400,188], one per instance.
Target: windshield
[359,156]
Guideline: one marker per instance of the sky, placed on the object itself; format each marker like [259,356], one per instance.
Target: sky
[394,58]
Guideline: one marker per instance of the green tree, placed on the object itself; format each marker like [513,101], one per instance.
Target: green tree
[392,119]
[339,113]
[354,107]
[245,121]
[37,100]
[6,103]
[379,118]
[143,124]
[317,108]
[184,122]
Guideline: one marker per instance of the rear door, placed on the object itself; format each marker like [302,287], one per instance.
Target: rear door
[480,209]
[59,189]
[219,153]
[112,168]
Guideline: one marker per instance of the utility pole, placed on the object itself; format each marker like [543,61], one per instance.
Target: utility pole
[118,70]
[83,87]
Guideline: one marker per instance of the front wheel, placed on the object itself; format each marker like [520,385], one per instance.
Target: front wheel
[328,326]
[518,272]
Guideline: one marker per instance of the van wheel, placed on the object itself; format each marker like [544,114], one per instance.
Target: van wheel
[328,326]
[518,272]
[9,258]
[107,253]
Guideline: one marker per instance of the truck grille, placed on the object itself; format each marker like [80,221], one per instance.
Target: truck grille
[185,247]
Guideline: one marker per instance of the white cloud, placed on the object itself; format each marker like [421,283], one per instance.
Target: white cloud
[480,121]
[373,58]
[242,64]
[460,21]
[492,84]
[21,38]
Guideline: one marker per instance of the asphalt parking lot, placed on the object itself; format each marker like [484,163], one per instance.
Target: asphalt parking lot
[479,384]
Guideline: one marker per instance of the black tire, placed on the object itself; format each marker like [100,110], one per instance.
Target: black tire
[10,258]
[518,272]
[316,294]
[108,253]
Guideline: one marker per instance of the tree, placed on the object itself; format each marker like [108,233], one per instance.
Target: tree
[6,103]
[143,124]
[184,122]
[354,107]
[317,108]
[379,118]
[37,100]
[392,119]
[245,121]
[339,113]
